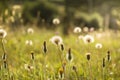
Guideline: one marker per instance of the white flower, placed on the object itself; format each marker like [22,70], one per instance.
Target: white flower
[56,21]
[57,40]
[77,30]
[85,29]
[3,33]
[28,67]
[98,45]
[92,29]
[80,37]
[88,39]
[29,42]
[30,31]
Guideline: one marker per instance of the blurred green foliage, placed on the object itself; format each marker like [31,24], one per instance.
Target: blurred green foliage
[40,10]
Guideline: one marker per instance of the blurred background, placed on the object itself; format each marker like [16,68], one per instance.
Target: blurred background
[63,14]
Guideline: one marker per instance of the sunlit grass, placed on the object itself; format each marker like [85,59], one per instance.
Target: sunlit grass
[46,65]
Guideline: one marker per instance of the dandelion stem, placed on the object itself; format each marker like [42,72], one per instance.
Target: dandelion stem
[3,47]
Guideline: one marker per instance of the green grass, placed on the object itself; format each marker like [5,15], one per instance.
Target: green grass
[46,67]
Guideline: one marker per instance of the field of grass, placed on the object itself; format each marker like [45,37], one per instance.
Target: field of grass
[39,59]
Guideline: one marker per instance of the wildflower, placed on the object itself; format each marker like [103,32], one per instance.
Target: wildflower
[69,55]
[77,30]
[3,33]
[98,46]
[44,47]
[56,21]
[57,40]
[85,29]
[88,56]
[30,31]
[61,73]
[28,67]
[29,42]
[88,39]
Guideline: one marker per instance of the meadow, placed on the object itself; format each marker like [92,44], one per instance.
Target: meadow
[40,54]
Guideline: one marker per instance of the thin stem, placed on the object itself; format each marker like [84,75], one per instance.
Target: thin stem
[3,47]
[103,74]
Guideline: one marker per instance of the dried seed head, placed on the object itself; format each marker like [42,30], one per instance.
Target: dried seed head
[61,73]
[62,47]
[44,47]
[103,62]
[32,55]
[108,55]
[5,64]
[74,68]
[69,55]
[88,56]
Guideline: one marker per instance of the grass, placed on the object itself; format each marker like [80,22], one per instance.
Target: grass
[46,66]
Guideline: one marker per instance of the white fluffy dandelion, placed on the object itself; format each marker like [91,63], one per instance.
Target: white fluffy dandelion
[80,37]
[28,67]
[3,33]
[77,30]
[56,21]
[57,40]
[92,29]
[85,29]
[30,31]
[29,42]
[88,39]
[98,46]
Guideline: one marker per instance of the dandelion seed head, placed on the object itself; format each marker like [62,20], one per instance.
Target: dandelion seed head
[92,29]
[29,42]
[28,67]
[98,46]
[88,39]
[85,29]
[30,31]
[56,21]
[80,37]
[3,33]
[77,30]
[57,40]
